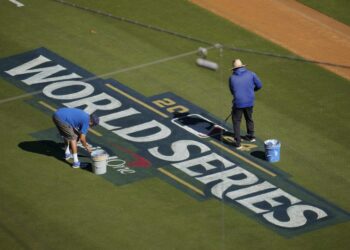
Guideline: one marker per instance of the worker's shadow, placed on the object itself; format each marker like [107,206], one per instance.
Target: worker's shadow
[47,147]
[259,154]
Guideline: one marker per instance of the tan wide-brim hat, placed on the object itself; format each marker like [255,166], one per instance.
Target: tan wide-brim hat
[237,63]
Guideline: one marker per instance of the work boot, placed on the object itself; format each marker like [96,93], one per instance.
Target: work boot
[237,145]
[249,138]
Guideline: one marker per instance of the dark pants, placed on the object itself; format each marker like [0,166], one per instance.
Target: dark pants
[236,120]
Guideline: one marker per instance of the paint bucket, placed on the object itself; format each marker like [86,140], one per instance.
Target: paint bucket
[272,150]
[99,158]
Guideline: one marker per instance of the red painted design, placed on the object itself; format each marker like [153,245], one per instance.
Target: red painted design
[138,161]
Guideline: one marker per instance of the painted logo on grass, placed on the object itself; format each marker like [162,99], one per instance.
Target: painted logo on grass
[169,137]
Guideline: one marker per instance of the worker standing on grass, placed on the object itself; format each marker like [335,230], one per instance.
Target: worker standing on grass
[243,83]
[73,125]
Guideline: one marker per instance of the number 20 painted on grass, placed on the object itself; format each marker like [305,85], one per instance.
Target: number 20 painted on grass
[171,104]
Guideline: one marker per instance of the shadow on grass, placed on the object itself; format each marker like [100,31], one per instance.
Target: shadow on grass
[259,154]
[44,147]
[49,148]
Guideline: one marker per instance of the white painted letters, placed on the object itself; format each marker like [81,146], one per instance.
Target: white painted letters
[296,216]
[226,182]
[115,116]
[91,103]
[126,133]
[180,149]
[43,74]
[49,89]
[269,198]
[204,162]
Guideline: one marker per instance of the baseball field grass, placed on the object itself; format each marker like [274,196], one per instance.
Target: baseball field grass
[336,9]
[45,204]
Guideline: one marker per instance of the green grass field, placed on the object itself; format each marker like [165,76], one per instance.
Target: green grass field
[336,9]
[45,204]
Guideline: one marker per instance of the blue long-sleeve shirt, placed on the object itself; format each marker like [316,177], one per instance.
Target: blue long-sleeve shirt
[242,84]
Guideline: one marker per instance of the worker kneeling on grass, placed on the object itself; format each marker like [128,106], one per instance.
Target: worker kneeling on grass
[73,125]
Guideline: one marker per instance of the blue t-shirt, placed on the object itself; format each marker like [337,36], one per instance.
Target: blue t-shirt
[76,118]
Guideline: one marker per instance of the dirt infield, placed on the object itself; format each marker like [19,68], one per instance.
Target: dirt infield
[298,28]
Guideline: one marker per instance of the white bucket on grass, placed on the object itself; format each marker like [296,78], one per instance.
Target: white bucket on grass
[99,158]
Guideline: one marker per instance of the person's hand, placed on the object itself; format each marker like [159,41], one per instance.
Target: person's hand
[89,150]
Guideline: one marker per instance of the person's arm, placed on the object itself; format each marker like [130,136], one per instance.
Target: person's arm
[257,82]
[230,86]
[82,138]
[82,135]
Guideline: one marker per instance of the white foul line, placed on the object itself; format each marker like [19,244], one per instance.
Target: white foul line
[111,73]
[18,4]
[316,21]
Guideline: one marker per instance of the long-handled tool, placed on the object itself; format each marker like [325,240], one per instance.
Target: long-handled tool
[228,117]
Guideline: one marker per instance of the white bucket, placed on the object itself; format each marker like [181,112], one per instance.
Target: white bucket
[99,158]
